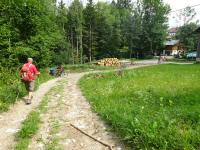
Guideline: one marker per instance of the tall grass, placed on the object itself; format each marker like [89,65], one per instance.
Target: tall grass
[150,108]
[11,87]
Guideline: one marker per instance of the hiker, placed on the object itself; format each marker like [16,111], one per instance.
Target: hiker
[159,59]
[28,76]
[52,71]
[60,71]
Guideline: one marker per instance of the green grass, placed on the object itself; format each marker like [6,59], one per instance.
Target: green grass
[155,107]
[86,67]
[177,60]
[53,144]
[32,123]
[11,87]
[29,128]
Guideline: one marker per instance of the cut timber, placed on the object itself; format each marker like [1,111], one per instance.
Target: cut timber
[109,62]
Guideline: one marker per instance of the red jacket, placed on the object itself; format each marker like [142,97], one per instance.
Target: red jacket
[32,69]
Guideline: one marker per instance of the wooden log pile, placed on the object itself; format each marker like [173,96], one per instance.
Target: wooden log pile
[109,62]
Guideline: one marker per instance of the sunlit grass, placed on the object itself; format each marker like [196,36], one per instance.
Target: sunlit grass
[86,67]
[155,107]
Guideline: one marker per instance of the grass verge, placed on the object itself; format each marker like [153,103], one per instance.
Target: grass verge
[155,107]
[177,60]
[53,143]
[29,128]
[86,67]
[32,123]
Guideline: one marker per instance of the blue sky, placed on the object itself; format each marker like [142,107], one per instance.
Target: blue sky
[175,5]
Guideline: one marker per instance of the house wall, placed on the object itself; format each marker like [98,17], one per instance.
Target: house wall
[172,50]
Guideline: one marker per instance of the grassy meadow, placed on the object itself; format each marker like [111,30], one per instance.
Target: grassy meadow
[154,107]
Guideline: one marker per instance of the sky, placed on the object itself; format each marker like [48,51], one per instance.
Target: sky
[174,4]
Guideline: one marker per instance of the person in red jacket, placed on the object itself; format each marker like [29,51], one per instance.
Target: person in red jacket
[28,75]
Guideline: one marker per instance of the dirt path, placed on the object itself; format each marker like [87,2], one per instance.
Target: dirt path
[68,107]
[72,108]
[10,121]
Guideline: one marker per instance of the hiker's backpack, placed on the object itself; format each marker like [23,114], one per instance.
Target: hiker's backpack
[26,75]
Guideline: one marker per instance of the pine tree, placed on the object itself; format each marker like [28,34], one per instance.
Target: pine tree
[75,29]
[89,25]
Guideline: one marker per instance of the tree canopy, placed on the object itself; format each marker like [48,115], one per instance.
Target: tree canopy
[187,36]
[53,33]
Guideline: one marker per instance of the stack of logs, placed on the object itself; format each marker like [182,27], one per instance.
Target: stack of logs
[109,62]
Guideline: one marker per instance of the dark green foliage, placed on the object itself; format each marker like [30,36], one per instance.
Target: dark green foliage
[150,108]
[75,31]
[150,29]
[107,31]
[53,34]
[29,29]
[89,37]
[44,31]
[187,36]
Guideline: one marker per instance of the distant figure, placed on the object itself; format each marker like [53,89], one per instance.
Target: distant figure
[60,71]
[120,71]
[28,76]
[164,58]
[159,59]
[52,71]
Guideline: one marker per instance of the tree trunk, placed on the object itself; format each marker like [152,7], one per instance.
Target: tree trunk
[72,45]
[77,49]
[81,48]
[131,49]
[150,44]
[90,47]
[9,44]
[198,51]
[63,27]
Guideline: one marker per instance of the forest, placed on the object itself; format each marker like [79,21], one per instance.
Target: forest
[53,32]
[147,106]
